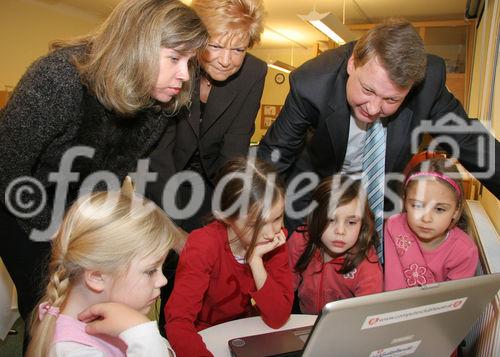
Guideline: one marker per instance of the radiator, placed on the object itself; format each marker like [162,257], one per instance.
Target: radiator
[483,339]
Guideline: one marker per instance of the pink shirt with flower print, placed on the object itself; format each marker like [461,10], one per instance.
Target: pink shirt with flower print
[407,264]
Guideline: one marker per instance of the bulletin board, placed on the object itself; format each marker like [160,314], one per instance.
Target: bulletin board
[268,114]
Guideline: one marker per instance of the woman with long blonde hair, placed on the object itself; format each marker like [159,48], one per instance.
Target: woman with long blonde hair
[95,105]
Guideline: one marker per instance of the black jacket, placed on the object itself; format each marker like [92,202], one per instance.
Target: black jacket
[312,129]
[225,132]
[50,112]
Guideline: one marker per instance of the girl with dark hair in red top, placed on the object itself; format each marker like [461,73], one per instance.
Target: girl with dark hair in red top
[334,255]
[237,266]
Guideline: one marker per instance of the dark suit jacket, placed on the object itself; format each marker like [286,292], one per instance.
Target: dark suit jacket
[228,122]
[225,132]
[312,129]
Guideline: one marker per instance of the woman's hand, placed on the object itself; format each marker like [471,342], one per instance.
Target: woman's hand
[110,318]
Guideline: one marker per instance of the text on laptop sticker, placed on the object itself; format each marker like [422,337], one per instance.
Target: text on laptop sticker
[397,351]
[413,313]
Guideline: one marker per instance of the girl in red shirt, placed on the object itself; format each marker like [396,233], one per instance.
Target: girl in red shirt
[333,256]
[237,266]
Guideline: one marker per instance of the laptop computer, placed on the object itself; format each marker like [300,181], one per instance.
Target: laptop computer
[429,320]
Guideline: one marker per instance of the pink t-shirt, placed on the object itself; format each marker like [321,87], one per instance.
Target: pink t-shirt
[68,329]
[408,264]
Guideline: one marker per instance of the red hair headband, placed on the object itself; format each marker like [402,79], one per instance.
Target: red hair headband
[438,175]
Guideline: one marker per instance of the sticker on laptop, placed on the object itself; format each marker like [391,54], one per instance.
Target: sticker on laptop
[397,351]
[395,317]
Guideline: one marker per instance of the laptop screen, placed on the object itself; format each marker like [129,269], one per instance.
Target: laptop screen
[421,321]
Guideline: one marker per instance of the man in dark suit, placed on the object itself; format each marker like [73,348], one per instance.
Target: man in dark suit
[386,77]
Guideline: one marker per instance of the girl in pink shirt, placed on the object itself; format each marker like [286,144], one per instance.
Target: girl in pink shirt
[334,255]
[423,244]
[105,274]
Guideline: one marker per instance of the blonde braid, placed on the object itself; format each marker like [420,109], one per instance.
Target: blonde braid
[42,331]
[57,288]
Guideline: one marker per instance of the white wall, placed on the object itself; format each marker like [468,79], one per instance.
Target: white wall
[28,26]
[276,93]
[482,76]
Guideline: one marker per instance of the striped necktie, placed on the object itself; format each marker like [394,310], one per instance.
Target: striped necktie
[374,177]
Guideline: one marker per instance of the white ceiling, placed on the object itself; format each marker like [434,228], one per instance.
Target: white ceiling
[282,14]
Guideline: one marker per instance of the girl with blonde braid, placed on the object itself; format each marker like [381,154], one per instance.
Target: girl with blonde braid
[105,274]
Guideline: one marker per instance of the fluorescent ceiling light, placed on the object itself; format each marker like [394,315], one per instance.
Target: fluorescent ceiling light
[330,26]
[281,66]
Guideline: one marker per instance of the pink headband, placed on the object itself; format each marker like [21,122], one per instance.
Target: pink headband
[438,175]
[45,308]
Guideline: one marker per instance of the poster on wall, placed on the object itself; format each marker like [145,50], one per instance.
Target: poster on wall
[268,114]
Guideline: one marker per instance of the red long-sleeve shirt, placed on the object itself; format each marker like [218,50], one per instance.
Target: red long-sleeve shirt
[211,287]
[320,283]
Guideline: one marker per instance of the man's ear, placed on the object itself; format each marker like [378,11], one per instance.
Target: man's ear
[350,65]
[94,280]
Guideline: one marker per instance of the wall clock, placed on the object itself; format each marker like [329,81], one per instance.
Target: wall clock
[279,78]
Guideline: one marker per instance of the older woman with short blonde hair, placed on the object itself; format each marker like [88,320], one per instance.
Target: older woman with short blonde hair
[221,119]
[243,18]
